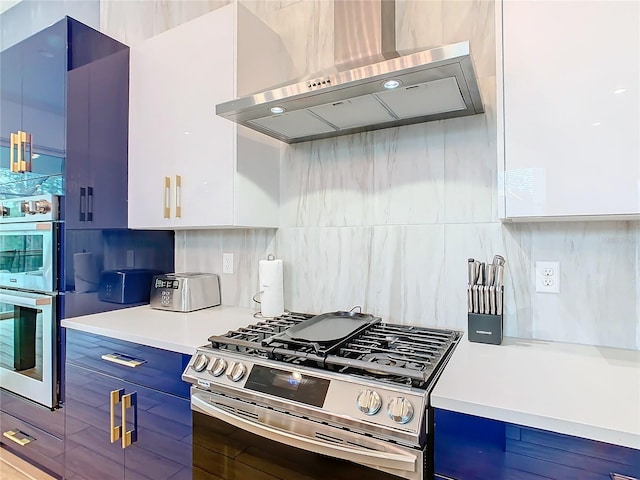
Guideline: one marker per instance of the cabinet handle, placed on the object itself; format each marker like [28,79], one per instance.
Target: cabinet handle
[167,195]
[122,359]
[178,196]
[114,397]
[618,476]
[83,201]
[23,144]
[19,437]
[129,436]
[89,204]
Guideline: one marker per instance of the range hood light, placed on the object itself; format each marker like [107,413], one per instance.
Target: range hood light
[277,110]
[390,84]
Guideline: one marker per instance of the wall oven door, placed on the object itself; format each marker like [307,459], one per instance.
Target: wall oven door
[27,256]
[27,345]
[235,439]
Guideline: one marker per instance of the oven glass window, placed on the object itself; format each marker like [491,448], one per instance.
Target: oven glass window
[224,452]
[21,330]
[21,253]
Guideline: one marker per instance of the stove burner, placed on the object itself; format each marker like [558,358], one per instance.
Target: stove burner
[391,361]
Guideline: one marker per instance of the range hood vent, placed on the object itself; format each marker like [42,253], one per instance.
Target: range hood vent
[432,84]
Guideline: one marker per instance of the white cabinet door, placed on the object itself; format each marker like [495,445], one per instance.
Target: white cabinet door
[571,108]
[176,139]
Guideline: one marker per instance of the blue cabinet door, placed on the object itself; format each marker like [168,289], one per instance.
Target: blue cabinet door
[159,423]
[89,452]
[474,448]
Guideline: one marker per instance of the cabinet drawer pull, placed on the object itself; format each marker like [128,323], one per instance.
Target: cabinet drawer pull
[167,195]
[178,196]
[115,430]
[129,436]
[618,476]
[19,437]
[122,359]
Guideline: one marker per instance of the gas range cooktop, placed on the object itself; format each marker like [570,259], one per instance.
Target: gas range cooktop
[344,369]
[383,352]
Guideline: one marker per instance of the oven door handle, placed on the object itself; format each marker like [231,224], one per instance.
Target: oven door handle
[24,301]
[374,458]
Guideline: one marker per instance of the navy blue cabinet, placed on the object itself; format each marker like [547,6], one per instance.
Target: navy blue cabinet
[68,87]
[157,411]
[474,448]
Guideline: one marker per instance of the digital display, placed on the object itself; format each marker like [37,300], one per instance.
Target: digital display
[161,283]
[290,385]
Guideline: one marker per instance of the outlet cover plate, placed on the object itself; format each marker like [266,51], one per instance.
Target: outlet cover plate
[548,277]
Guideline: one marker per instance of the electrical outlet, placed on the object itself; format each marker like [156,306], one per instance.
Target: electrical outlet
[227,263]
[548,277]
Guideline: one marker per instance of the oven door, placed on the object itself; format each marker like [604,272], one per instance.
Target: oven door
[234,439]
[28,345]
[27,256]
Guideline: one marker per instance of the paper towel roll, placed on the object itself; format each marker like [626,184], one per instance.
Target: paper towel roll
[270,273]
[86,273]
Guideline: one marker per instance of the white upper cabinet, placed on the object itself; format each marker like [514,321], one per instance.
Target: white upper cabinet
[189,168]
[570,130]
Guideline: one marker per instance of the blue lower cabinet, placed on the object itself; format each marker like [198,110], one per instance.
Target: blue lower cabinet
[474,448]
[117,429]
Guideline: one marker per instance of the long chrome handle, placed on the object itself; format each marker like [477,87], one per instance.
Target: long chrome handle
[129,436]
[178,196]
[406,462]
[167,197]
[18,437]
[122,359]
[89,204]
[114,397]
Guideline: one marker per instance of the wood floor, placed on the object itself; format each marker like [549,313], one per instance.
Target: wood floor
[14,468]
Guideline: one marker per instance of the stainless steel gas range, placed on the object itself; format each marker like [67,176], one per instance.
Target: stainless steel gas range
[337,395]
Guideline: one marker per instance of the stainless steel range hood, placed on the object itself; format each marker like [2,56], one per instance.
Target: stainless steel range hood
[432,84]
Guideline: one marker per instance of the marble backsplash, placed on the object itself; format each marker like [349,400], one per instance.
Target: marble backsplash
[386,220]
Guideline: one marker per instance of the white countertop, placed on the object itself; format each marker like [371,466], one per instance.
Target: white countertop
[175,331]
[585,391]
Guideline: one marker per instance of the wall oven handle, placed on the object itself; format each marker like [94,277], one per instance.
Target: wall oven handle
[397,461]
[24,301]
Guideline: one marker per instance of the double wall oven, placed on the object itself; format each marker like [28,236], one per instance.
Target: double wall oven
[29,238]
[335,396]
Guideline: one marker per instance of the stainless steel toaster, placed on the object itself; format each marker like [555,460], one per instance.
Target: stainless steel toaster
[185,292]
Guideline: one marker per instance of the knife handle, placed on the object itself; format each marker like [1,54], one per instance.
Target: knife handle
[487,302]
[492,299]
[499,294]
[469,299]
[474,291]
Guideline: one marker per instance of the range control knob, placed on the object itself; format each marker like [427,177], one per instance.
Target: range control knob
[236,371]
[200,363]
[400,410]
[217,366]
[369,402]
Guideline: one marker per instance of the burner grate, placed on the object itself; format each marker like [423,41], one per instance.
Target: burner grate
[400,354]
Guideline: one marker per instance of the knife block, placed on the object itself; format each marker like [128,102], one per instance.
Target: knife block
[486,328]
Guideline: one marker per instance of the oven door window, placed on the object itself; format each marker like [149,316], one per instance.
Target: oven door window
[21,340]
[221,451]
[28,345]
[27,253]
[21,253]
